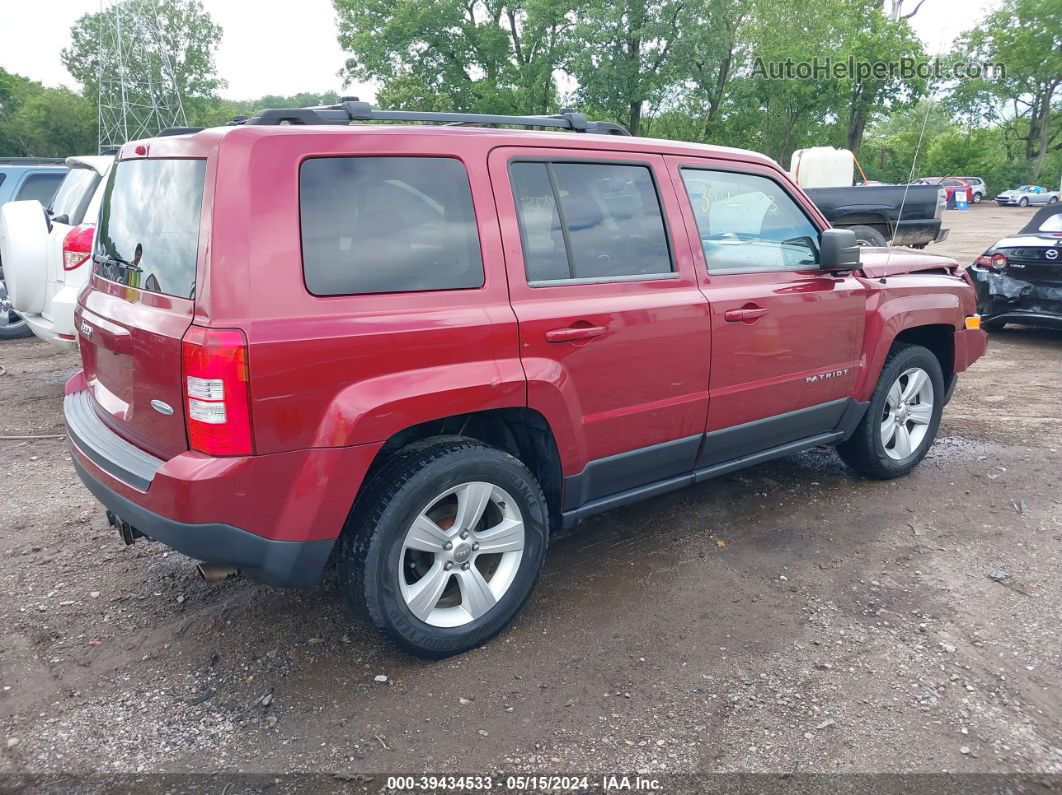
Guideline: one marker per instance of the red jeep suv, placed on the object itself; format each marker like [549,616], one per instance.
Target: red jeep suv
[419,348]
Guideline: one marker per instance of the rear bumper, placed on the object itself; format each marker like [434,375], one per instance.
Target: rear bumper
[276,517]
[284,563]
[56,326]
[1004,298]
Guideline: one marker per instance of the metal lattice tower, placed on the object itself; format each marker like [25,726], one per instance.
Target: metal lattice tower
[138,92]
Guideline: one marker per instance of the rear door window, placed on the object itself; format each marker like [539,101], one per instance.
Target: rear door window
[594,221]
[74,194]
[387,225]
[148,235]
[39,187]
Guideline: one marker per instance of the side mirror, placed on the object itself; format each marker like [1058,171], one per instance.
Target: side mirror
[838,250]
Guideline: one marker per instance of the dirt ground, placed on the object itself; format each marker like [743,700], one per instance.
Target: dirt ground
[791,617]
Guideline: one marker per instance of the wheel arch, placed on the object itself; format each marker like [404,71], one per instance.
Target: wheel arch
[928,320]
[520,431]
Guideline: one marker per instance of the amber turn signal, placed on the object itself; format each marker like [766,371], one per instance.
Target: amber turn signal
[973,321]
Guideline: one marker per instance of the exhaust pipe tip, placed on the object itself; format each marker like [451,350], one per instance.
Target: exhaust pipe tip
[213,572]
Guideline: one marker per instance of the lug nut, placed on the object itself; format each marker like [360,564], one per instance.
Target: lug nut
[448,565]
[475,546]
[448,545]
[464,534]
[464,566]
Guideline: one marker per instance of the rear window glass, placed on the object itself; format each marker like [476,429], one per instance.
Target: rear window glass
[40,187]
[387,225]
[148,235]
[74,193]
[589,221]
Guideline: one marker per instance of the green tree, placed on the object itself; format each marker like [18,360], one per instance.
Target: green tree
[154,56]
[625,54]
[465,55]
[43,122]
[1025,36]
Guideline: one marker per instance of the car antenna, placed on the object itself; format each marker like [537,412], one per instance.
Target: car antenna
[914,162]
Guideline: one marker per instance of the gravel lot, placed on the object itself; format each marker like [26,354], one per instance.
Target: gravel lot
[791,617]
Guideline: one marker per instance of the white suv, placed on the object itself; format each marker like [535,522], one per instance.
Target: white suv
[47,252]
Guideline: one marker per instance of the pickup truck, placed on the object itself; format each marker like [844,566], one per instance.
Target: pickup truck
[418,350]
[873,212]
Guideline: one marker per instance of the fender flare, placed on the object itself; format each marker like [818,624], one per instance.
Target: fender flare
[356,415]
[892,316]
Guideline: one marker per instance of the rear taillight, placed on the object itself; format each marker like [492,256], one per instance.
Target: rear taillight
[77,247]
[996,261]
[217,393]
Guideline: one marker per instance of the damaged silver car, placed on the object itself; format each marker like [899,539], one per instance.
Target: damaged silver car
[1019,279]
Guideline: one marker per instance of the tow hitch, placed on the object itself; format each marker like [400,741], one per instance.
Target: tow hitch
[128,533]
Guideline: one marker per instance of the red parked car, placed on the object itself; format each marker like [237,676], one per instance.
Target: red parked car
[952,184]
[420,349]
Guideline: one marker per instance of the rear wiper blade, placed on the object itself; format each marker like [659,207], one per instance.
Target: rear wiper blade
[106,259]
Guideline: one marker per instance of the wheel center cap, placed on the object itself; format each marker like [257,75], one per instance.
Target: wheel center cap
[462,552]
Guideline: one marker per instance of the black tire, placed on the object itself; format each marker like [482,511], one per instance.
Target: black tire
[1023,201]
[370,549]
[977,197]
[993,325]
[868,236]
[864,451]
[15,326]
[15,330]
[1053,200]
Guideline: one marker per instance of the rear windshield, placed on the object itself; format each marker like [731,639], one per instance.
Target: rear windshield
[148,235]
[74,192]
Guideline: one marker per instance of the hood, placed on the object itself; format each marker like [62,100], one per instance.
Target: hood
[877,262]
[1009,193]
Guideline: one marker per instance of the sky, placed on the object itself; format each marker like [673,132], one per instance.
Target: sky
[283,47]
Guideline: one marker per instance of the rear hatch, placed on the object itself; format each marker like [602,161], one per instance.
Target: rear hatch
[141,299]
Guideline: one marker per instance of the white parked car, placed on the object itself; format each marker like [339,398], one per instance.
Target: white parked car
[1024,195]
[47,253]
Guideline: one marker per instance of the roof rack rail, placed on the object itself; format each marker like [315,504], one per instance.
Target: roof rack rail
[350,109]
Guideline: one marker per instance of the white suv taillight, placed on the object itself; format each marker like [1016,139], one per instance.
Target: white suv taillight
[77,247]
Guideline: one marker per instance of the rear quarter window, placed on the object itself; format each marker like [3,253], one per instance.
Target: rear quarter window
[387,225]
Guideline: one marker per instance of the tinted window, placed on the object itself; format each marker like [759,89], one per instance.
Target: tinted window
[74,194]
[545,254]
[589,221]
[40,187]
[148,234]
[747,222]
[387,225]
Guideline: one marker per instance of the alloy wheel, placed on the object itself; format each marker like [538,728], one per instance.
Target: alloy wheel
[461,554]
[907,414]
